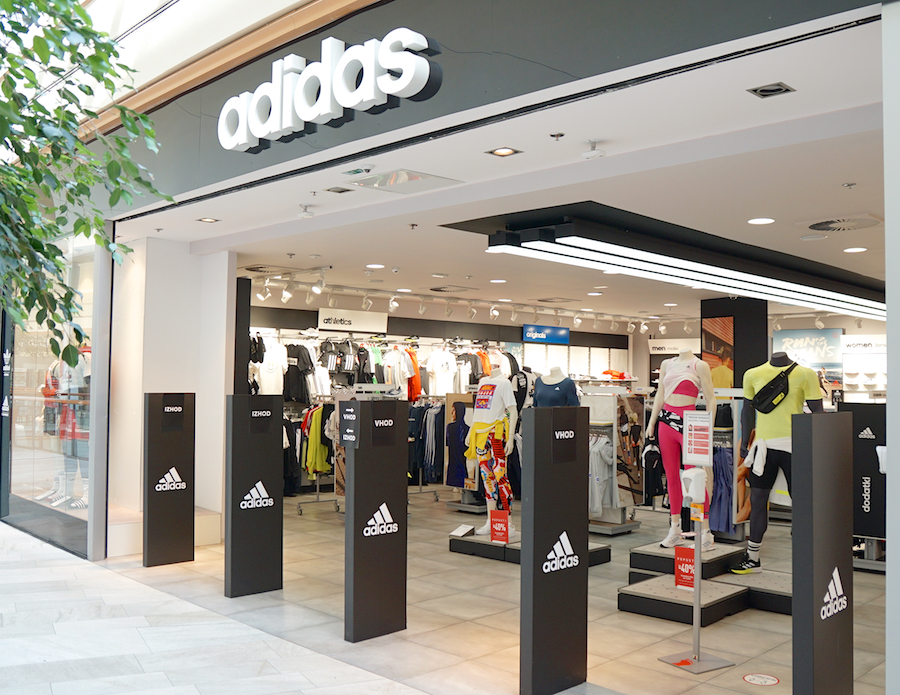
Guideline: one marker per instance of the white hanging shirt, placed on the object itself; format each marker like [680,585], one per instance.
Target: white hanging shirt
[441,366]
[271,371]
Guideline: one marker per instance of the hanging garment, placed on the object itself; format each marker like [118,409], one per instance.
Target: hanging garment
[434,444]
[441,366]
[514,468]
[603,490]
[416,443]
[414,381]
[723,483]
[457,431]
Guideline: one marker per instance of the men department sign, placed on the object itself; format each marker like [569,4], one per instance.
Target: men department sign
[360,78]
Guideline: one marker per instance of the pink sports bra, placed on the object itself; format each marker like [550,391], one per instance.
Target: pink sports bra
[681,378]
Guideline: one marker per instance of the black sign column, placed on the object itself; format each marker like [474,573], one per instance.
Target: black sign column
[374,433]
[822,489]
[869,484]
[553,651]
[254,489]
[168,478]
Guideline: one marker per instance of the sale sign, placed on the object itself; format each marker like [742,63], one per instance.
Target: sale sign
[684,568]
[499,525]
[697,436]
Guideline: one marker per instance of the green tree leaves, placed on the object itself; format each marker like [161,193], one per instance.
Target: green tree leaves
[51,59]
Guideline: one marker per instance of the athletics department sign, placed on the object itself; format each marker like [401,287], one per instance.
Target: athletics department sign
[359,78]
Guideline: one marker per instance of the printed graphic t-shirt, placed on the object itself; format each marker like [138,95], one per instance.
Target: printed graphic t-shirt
[494,397]
[804,385]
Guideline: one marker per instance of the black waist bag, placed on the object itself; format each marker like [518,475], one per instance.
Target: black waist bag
[770,395]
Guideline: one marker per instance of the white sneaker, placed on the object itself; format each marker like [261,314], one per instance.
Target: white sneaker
[707,541]
[484,530]
[673,538]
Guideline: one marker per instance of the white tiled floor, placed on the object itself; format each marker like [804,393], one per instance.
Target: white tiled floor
[71,627]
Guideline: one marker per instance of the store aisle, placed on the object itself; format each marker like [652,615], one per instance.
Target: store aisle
[69,623]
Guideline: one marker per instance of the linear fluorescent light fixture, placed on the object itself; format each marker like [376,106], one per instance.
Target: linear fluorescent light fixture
[598,255]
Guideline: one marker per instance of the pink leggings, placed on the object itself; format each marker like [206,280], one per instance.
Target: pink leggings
[670,450]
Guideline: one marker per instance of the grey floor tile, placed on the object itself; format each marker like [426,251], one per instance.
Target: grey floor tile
[400,660]
[113,684]
[467,678]
[466,605]
[467,640]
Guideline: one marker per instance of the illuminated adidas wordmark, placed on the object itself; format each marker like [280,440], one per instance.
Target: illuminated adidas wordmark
[562,556]
[257,497]
[381,523]
[835,599]
[171,481]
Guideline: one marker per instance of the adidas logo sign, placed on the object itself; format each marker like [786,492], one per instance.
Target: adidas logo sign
[257,497]
[835,600]
[866,434]
[381,523]
[562,555]
[170,481]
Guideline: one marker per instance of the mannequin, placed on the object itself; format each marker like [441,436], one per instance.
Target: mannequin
[681,379]
[491,440]
[555,389]
[771,449]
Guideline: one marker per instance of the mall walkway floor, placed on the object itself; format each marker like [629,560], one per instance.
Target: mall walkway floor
[70,627]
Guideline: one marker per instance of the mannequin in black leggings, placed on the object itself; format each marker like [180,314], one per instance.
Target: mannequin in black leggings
[803,386]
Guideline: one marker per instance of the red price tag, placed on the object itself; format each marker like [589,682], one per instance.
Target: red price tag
[499,525]
[684,567]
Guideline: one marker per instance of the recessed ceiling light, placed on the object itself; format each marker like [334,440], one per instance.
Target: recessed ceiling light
[813,237]
[403,289]
[653,317]
[439,275]
[588,309]
[498,282]
[761,220]
[375,266]
[504,300]
[610,272]
[600,287]
[594,294]
[504,152]
[208,220]
[855,249]
[670,304]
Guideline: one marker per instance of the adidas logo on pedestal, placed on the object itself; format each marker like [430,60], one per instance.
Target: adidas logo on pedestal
[835,600]
[381,523]
[866,434]
[170,481]
[257,497]
[562,556]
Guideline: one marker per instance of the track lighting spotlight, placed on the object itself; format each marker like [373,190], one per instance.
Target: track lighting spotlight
[422,307]
[819,323]
[535,319]
[644,327]
[332,300]
[687,328]
[614,325]
[472,311]
[494,312]
[393,304]
[631,327]
[264,293]
[287,293]
[310,298]
[448,312]
[576,320]
[319,286]
[663,329]
[366,302]
[859,323]
[306,214]
[776,325]
[514,316]
[596,322]
[558,317]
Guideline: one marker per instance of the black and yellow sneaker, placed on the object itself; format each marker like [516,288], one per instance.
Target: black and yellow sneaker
[747,566]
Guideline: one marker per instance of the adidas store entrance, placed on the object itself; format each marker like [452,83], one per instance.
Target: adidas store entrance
[406,239]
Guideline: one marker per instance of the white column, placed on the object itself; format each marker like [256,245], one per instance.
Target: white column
[890,21]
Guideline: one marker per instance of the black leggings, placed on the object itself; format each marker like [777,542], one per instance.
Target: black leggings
[761,487]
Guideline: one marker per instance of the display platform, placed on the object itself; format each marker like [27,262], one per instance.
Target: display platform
[482,546]
[469,508]
[609,529]
[769,591]
[659,598]
[656,559]
[635,576]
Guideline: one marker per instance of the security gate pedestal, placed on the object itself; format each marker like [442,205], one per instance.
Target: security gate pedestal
[254,490]
[375,525]
[554,558]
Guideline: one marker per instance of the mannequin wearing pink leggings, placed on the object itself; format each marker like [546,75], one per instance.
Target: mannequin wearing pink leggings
[670,441]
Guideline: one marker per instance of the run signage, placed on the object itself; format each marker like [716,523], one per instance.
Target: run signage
[556,335]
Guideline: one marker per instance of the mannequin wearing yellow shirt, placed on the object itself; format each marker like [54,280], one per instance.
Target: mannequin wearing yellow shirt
[771,449]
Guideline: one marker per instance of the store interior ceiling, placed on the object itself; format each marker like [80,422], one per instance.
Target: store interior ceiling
[694,148]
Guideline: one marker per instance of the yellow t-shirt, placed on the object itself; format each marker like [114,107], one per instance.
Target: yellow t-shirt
[804,385]
[722,377]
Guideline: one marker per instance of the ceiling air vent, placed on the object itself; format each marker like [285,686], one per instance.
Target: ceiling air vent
[555,300]
[338,189]
[771,90]
[451,289]
[844,224]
